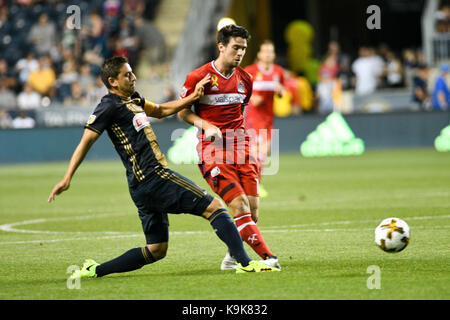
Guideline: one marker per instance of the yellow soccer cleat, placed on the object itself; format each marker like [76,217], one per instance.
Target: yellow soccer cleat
[255,266]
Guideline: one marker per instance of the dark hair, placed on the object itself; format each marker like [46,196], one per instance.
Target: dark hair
[111,68]
[231,31]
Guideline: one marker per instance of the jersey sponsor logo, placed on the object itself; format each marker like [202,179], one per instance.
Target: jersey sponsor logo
[222,99]
[91,119]
[140,121]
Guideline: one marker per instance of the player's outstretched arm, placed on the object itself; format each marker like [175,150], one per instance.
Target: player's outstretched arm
[172,107]
[87,140]
[210,130]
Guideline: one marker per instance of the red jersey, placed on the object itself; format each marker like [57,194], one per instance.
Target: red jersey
[264,84]
[224,97]
[222,103]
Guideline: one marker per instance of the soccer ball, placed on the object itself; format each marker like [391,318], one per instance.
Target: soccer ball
[392,235]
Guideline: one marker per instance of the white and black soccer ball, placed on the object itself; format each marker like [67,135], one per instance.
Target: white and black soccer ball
[392,235]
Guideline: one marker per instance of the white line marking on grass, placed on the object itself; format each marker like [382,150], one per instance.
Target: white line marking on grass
[118,235]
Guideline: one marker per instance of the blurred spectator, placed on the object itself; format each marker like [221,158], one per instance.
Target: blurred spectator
[441,94]
[28,98]
[23,121]
[94,40]
[120,49]
[443,19]
[8,76]
[70,39]
[394,71]
[151,41]
[43,35]
[94,34]
[4,13]
[291,84]
[111,14]
[133,8]
[367,68]
[68,76]
[169,94]
[97,92]
[86,79]
[5,119]
[78,97]
[330,63]
[345,74]
[26,65]
[7,97]
[420,88]
[409,65]
[129,40]
[328,92]
[43,79]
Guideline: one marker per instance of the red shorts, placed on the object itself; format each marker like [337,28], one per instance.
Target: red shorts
[231,180]
[260,130]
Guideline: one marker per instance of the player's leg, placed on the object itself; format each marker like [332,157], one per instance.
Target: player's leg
[241,208]
[270,260]
[187,197]
[156,230]
[226,230]
[249,231]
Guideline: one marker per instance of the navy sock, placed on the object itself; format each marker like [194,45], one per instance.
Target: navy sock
[227,232]
[131,260]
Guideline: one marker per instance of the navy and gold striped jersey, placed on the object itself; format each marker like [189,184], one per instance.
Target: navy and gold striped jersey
[130,131]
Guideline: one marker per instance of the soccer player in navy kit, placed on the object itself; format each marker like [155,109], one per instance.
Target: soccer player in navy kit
[155,189]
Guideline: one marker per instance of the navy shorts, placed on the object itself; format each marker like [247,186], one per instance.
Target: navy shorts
[166,191]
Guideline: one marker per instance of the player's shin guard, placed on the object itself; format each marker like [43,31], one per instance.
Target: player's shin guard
[228,233]
[131,260]
[250,233]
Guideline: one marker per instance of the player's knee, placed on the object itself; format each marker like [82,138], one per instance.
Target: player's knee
[240,204]
[158,251]
[215,205]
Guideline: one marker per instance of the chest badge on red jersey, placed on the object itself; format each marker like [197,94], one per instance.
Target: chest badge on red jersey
[241,87]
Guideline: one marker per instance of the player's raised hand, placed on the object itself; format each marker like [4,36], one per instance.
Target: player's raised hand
[212,131]
[60,187]
[200,86]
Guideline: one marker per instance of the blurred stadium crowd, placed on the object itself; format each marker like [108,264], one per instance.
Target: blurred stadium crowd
[44,61]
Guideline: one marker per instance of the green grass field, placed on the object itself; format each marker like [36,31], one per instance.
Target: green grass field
[319,219]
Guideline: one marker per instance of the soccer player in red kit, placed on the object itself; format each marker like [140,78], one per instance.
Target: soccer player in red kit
[267,81]
[225,159]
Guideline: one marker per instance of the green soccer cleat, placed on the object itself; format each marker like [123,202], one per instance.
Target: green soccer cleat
[255,266]
[87,270]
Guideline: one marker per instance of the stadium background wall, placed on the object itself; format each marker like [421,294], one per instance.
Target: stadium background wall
[379,131]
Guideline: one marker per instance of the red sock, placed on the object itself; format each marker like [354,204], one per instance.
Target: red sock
[251,235]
